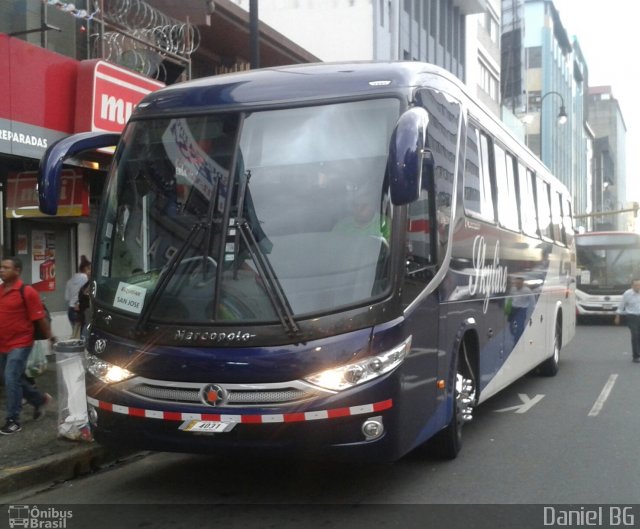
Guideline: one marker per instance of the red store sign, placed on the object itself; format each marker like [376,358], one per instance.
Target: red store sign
[107,95]
[45,96]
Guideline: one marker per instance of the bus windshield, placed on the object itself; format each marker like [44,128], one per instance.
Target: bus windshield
[239,216]
[607,263]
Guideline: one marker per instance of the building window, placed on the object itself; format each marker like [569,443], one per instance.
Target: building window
[533,101]
[490,23]
[443,21]
[534,57]
[456,38]
[407,6]
[381,8]
[426,8]
[488,81]
[434,18]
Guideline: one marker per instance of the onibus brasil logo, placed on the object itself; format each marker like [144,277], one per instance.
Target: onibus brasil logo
[34,517]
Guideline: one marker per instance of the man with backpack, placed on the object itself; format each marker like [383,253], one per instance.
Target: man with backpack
[21,310]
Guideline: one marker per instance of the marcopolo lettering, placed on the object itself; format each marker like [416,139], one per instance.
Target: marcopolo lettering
[209,336]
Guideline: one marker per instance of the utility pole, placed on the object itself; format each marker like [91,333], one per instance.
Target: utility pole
[254,34]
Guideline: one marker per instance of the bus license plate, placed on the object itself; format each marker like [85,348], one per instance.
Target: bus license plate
[207,426]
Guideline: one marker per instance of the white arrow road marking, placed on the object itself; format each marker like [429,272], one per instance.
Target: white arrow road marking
[604,395]
[526,405]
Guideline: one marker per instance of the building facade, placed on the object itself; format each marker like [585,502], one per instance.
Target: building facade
[344,30]
[483,55]
[581,139]
[544,83]
[609,165]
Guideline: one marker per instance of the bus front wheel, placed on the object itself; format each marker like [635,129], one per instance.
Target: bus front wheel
[447,443]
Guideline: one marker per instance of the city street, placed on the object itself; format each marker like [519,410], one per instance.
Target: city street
[568,439]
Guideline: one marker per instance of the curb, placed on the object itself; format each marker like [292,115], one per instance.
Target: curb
[57,468]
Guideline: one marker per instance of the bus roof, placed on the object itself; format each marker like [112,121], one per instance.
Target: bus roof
[287,84]
[322,83]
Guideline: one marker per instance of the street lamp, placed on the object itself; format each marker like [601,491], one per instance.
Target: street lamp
[561,118]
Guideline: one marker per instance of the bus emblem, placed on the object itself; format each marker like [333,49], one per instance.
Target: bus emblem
[100,346]
[213,395]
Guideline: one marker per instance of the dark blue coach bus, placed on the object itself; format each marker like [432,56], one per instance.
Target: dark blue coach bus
[326,259]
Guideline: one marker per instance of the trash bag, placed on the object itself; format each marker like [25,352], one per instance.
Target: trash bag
[37,361]
[73,420]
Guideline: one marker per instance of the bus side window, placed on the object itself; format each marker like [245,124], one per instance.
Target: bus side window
[544,210]
[505,185]
[556,218]
[488,211]
[485,188]
[567,220]
[472,182]
[527,201]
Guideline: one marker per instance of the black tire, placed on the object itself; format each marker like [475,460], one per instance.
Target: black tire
[447,443]
[549,368]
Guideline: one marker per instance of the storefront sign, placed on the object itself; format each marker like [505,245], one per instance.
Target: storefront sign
[22,195]
[46,96]
[37,97]
[107,95]
[43,261]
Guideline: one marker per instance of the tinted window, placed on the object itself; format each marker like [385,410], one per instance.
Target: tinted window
[505,183]
[472,183]
[567,219]
[556,218]
[544,211]
[485,180]
[528,216]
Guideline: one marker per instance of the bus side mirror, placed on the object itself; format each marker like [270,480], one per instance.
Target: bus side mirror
[406,155]
[54,156]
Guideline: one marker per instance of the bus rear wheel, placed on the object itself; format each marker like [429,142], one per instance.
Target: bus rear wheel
[550,366]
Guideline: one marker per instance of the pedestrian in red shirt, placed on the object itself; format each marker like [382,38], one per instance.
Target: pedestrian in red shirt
[18,315]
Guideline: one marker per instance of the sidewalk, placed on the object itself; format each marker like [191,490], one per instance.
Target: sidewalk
[36,456]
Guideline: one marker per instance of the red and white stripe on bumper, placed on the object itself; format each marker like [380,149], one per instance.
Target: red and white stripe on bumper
[243,419]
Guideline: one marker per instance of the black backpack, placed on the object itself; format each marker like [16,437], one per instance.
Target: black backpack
[83,297]
[37,333]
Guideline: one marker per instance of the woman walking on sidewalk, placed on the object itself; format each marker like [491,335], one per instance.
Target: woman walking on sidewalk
[19,312]
[71,294]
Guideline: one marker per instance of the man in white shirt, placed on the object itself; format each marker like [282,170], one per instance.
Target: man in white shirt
[630,307]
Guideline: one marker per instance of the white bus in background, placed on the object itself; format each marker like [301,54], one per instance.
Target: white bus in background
[607,262]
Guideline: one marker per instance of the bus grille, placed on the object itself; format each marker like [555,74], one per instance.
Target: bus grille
[237,395]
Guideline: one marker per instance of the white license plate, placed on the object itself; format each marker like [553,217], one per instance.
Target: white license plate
[207,426]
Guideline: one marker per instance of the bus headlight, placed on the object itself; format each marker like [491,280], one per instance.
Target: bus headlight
[106,372]
[349,375]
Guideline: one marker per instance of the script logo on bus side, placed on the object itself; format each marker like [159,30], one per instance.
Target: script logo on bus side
[210,336]
[488,279]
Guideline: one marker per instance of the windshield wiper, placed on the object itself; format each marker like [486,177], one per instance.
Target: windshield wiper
[166,276]
[272,286]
